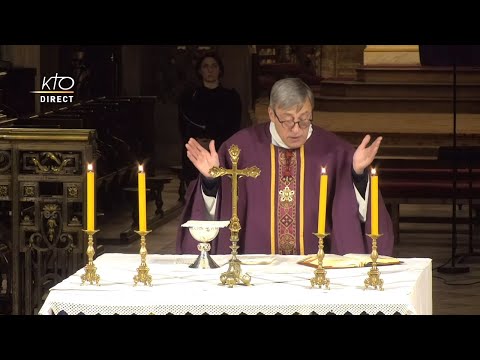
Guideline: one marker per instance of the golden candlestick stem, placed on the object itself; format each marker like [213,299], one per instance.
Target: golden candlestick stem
[374,274]
[233,275]
[320,277]
[90,269]
[142,271]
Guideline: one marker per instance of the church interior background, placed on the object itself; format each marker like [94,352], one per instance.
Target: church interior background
[130,100]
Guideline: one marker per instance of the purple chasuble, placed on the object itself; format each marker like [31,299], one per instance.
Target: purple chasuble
[323,148]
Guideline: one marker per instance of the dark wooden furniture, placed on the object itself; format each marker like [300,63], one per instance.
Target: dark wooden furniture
[42,188]
[408,181]
[182,187]
[131,194]
[42,168]
[5,280]
[156,184]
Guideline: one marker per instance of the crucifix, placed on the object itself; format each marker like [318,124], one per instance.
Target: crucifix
[233,275]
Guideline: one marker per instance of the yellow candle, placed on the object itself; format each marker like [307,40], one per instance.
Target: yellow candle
[90,198]
[374,201]
[322,201]
[142,200]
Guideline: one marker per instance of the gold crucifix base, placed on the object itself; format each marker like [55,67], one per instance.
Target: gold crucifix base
[233,276]
[142,271]
[90,269]
[320,277]
[373,279]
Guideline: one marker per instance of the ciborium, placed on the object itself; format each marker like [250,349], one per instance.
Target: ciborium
[204,232]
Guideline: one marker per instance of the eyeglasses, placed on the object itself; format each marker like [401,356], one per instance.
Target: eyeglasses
[290,124]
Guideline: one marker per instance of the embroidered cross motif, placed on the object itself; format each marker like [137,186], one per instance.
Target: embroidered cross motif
[286,194]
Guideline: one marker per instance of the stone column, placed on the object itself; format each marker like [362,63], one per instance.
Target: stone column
[391,55]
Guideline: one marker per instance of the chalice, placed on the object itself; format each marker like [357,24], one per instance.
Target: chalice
[204,232]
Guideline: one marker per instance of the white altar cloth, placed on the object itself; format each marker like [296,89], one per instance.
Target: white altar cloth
[279,286]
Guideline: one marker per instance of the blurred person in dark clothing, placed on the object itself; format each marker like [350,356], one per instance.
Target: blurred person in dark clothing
[208,112]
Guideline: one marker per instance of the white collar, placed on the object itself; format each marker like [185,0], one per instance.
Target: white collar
[277,141]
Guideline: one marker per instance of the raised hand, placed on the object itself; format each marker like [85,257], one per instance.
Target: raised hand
[364,155]
[202,158]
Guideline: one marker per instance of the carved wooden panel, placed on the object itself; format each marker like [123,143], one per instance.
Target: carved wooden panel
[50,162]
[41,201]
[4,191]
[5,161]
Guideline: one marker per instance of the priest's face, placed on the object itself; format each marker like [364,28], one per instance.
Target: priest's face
[292,124]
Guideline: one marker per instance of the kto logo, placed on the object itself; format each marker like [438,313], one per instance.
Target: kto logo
[56,85]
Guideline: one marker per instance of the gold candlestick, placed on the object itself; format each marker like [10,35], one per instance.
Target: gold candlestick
[90,269]
[320,277]
[142,271]
[374,274]
[233,275]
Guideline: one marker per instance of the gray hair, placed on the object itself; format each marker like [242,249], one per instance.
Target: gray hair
[287,93]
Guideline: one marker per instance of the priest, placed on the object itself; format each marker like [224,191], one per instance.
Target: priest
[278,210]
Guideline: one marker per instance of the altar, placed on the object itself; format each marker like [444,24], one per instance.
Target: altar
[279,286]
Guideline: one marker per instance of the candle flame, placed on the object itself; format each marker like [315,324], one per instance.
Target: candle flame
[90,167]
[324,170]
[140,168]
[374,171]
